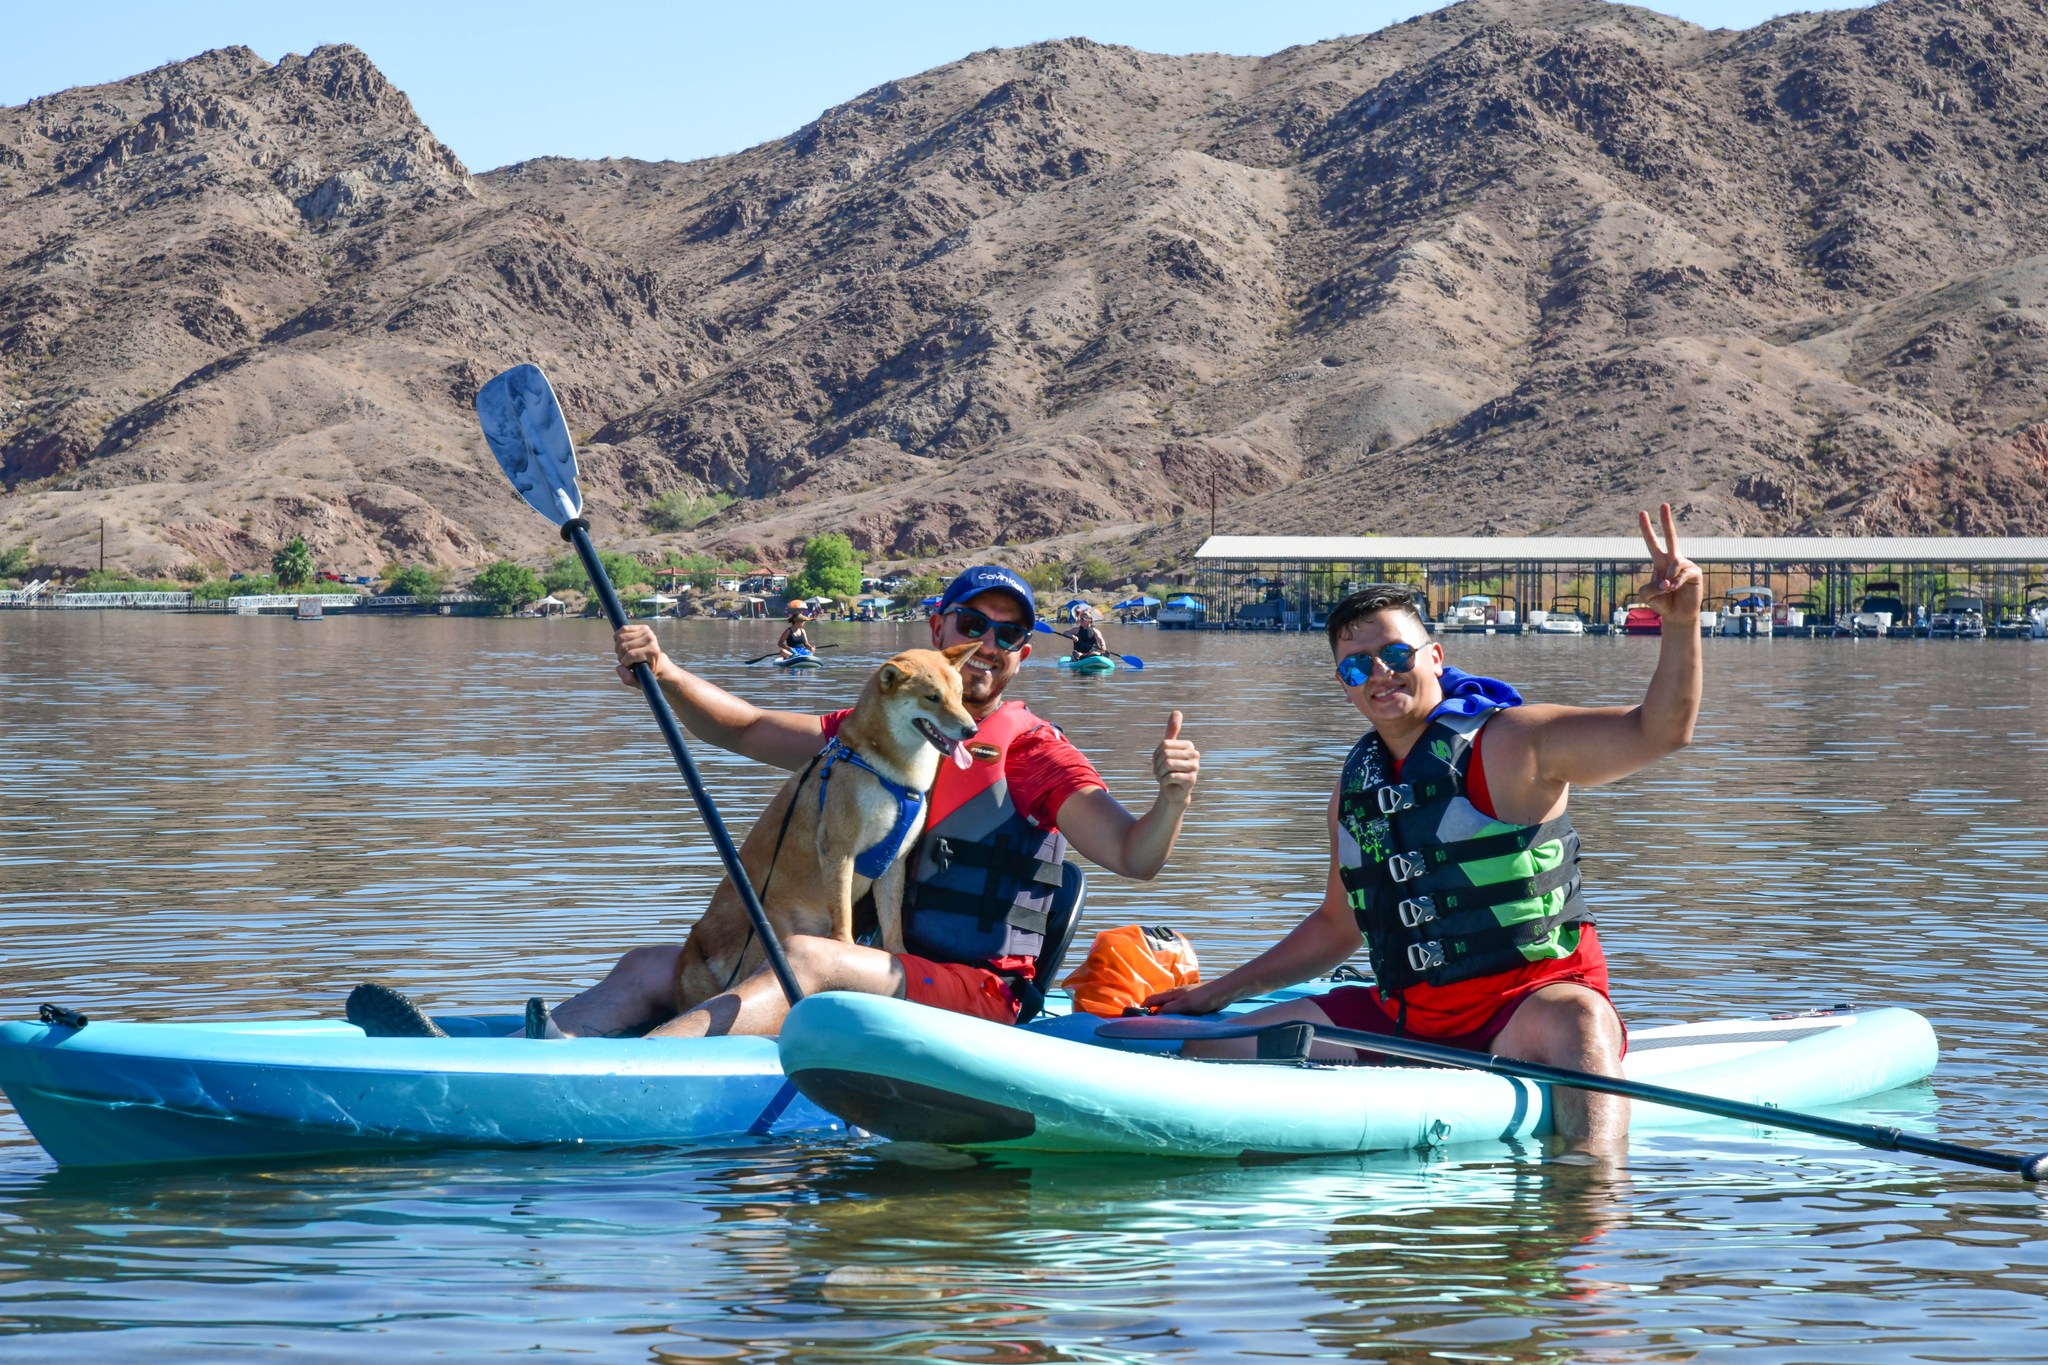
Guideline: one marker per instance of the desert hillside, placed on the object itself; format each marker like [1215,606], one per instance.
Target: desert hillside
[1513,267]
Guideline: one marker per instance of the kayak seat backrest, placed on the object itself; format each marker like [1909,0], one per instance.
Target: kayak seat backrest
[1061,919]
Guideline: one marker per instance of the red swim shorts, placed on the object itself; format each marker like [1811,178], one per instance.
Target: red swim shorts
[958,987]
[1359,1007]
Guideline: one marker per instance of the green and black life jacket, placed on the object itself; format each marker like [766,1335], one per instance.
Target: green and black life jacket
[1443,892]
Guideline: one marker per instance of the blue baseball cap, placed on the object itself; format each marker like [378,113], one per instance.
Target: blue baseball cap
[987,578]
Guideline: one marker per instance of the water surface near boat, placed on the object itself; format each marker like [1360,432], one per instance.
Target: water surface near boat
[236,818]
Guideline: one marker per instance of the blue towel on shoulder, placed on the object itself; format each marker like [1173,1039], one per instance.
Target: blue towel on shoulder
[1467,694]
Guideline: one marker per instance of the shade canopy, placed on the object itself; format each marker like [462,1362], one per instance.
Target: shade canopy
[659,599]
[551,601]
[1184,601]
[1140,601]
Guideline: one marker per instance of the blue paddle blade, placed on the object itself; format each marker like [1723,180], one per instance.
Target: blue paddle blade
[528,435]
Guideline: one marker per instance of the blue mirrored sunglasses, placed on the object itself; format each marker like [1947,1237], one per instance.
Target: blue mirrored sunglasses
[1355,669]
[1010,636]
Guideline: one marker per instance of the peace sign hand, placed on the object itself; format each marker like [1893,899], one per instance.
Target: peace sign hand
[1676,585]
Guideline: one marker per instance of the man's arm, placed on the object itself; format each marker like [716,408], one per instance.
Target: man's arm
[1105,833]
[1312,948]
[785,739]
[1590,745]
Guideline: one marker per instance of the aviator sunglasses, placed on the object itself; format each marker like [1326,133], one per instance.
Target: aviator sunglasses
[1356,669]
[1010,636]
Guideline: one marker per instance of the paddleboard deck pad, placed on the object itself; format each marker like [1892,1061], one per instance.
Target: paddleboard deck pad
[115,1093]
[910,1073]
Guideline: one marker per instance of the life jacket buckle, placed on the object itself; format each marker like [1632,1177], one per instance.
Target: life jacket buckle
[1395,798]
[1406,867]
[1425,957]
[942,855]
[1420,910]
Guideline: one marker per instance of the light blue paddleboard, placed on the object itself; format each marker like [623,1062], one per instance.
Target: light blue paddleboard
[116,1093]
[909,1072]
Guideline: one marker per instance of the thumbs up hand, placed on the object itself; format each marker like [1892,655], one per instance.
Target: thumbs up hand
[1176,762]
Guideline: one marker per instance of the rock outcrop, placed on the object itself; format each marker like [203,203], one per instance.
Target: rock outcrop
[1507,267]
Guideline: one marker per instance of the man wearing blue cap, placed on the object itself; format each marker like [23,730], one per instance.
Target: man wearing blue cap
[1004,824]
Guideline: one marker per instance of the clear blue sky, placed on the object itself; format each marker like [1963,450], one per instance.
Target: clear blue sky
[589,78]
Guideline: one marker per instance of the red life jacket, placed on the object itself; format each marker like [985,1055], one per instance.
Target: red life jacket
[983,876]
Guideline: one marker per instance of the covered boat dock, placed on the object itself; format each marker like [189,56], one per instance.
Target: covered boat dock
[1290,582]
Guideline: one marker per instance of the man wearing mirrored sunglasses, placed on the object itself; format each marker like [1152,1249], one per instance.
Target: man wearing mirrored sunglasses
[1006,821]
[1453,860]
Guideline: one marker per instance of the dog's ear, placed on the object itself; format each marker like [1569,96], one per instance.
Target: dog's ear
[957,655]
[889,675]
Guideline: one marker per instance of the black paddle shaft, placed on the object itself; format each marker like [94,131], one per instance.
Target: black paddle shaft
[1864,1134]
[577,532]
[1416,1050]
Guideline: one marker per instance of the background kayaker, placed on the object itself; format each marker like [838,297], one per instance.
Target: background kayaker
[1088,637]
[794,637]
[1049,783]
[1439,970]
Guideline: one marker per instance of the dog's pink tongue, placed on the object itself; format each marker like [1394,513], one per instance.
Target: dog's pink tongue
[960,757]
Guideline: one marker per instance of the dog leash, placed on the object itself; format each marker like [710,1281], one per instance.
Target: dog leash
[769,876]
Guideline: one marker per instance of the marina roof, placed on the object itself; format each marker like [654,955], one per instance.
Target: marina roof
[1625,549]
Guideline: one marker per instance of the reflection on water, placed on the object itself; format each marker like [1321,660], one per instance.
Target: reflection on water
[226,818]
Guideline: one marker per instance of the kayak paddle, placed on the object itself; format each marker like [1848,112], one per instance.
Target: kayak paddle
[527,433]
[773,652]
[1294,1036]
[1043,629]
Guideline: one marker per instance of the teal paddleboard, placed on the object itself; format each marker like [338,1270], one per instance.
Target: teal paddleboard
[912,1073]
[115,1093]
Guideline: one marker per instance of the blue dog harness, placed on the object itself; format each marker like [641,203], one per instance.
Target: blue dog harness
[873,862]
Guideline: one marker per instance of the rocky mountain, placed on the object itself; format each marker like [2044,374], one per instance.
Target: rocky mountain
[1516,266]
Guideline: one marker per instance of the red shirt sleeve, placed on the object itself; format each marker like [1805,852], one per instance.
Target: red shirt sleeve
[833,720]
[1043,770]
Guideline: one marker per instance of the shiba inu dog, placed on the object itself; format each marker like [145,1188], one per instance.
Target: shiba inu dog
[842,825]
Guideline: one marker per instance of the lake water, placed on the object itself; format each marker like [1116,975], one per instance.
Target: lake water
[210,818]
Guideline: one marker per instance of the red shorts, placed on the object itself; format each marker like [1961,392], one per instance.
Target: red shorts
[1360,1008]
[958,987]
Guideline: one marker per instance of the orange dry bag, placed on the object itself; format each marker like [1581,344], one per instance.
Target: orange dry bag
[1129,963]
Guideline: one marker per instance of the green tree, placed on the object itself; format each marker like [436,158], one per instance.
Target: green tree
[14,560]
[917,589]
[831,568]
[415,580]
[703,570]
[1095,571]
[292,565]
[507,586]
[622,569]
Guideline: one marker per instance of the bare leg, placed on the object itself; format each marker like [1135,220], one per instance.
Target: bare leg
[640,990]
[1574,1026]
[757,1005]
